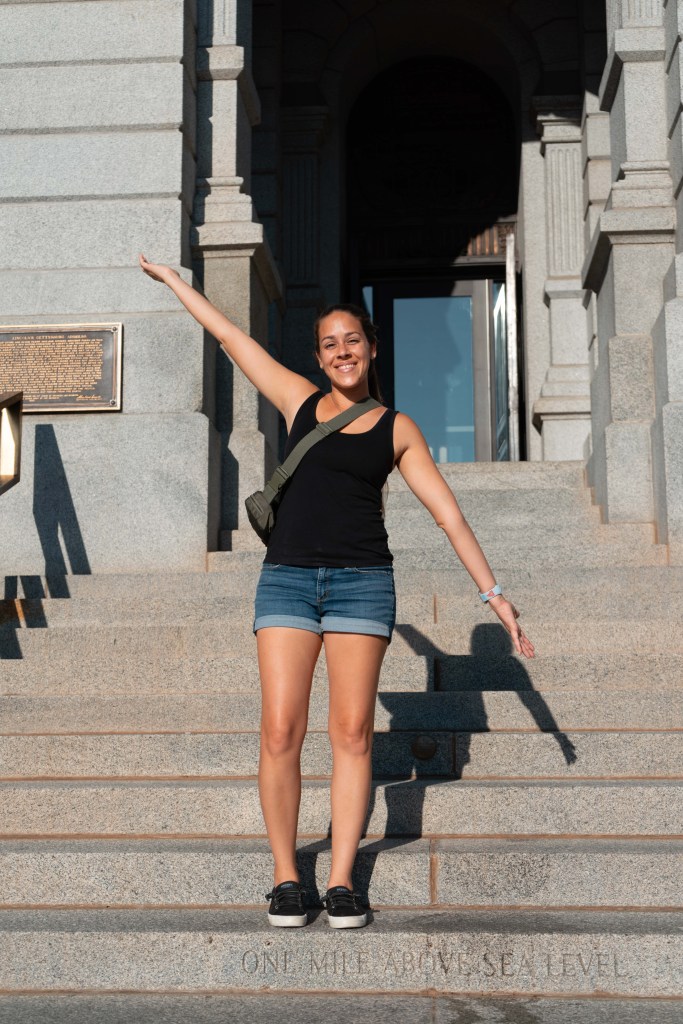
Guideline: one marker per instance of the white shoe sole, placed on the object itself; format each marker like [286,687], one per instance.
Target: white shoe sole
[348,922]
[293,921]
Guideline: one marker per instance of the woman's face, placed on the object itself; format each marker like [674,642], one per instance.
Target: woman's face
[344,353]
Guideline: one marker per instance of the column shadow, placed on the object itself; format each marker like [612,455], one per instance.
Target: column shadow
[61,539]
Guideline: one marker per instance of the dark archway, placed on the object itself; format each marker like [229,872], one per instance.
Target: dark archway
[432,177]
[432,168]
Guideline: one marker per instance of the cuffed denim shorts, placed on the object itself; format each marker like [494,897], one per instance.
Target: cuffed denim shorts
[325,600]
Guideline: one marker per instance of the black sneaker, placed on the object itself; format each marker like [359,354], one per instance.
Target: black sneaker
[287,905]
[344,908]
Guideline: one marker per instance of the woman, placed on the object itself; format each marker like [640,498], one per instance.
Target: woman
[328,578]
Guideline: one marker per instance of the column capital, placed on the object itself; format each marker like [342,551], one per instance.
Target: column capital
[558,119]
[303,128]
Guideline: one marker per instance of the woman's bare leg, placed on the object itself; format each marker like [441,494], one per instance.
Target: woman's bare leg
[353,665]
[287,659]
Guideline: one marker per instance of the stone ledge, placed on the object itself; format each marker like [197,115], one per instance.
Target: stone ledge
[409,951]
[651,225]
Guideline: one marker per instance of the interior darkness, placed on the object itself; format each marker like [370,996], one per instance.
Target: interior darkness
[432,160]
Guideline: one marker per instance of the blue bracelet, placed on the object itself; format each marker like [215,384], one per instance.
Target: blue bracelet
[493,592]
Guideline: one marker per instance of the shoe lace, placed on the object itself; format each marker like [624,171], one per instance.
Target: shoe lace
[342,899]
[289,897]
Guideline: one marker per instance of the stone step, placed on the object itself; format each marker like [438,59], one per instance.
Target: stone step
[417,608]
[395,754]
[604,671]
[435,553]
[651,582]
[552,873]
[55,613]
[505,476]
[527,529]
[433,808]
[206,755]
[510,545]
[337,1008]
[467,710]
[547,501]
[161,673]
[496,952]
[229,636]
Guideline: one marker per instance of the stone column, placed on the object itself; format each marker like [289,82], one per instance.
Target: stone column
[630,252]
[302,133]
[235,263]
[667,427]
[562,413]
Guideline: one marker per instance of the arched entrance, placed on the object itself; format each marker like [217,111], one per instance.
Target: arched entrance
[432,184]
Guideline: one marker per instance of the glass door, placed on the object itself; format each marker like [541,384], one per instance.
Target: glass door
[442,360]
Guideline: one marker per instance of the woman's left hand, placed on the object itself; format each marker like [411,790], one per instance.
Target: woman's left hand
[508,615]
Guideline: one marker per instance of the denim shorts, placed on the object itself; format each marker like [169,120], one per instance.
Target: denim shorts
[325,600]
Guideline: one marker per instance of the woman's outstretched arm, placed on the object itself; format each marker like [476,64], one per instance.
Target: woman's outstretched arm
[417,467]
[284,388]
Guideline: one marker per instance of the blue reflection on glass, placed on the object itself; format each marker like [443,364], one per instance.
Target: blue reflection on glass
[433,372]
[368,299]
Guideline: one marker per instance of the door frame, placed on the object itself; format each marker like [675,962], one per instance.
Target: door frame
[385,290]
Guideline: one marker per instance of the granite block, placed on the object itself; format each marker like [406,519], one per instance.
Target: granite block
[86,31]
[105,164]
[629,472]
[631,378]
[569,755]
[57,295]
[92,96]
[543,873]
[82,232]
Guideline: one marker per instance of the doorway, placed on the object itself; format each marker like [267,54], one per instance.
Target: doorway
[432,179]
[444,362]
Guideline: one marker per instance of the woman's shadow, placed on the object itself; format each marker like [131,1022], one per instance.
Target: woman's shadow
[490,666]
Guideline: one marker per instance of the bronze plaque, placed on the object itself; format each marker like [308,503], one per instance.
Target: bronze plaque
[64,367]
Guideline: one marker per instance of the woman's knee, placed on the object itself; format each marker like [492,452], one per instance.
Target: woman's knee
[351,737]
[280,739]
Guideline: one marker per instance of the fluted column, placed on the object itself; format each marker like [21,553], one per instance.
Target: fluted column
[562,412]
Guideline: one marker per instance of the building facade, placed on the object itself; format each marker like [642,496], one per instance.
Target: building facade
[498,182]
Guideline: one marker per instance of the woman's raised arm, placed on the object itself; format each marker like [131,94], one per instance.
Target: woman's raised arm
[417,467]
[284,388]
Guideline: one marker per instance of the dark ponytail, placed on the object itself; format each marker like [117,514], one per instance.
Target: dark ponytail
[369,330]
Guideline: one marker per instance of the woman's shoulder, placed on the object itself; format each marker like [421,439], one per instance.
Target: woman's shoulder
[304,403]
[406,433]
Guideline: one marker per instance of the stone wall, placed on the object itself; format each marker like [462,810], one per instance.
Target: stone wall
[99,164]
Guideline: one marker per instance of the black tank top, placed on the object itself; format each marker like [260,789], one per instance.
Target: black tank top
[331,511]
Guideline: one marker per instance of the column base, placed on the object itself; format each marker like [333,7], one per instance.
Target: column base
[564,423]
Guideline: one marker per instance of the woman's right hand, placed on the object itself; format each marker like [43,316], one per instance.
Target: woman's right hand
[157,271]
[508,615]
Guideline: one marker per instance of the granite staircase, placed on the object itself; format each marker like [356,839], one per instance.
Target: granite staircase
[524,845]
